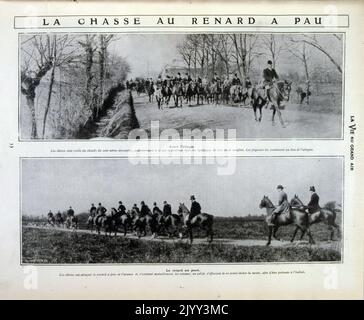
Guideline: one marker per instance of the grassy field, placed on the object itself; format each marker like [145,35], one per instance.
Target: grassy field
[57,247]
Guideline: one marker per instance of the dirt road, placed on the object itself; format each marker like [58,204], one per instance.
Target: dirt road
[334,245]
[298,123]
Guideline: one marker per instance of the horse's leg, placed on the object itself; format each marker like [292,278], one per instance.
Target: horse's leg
[275,229]
[270,231]
[190,234]
[273,114]
[310,235]
[280,116]
[260,111]
[211,233]
[255,110]
[294,233]
[303,232]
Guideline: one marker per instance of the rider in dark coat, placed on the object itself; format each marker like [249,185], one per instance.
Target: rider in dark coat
[313,206]
[156,208]
[70,212]
[144,209]
[121,208]
[195,208]
[270,74]
[236,80]
[92,209]
[167,209]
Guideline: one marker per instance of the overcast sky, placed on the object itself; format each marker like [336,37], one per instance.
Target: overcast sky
[58,183]
[148,54]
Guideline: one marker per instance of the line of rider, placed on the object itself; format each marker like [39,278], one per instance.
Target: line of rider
[284,206]
[144,210]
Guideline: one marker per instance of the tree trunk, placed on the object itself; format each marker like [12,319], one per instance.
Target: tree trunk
[30,102]
[50,88]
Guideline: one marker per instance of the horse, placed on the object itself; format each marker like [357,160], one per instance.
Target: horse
[277,93]
[226,93]
[326,215]
[51,219]
[295,216]
[207,93]
[190,92]
[303,94]
[121,219]
[59,220]
[72,222]
[203,221]
[200,93]
[166,93]
[173,225]
[139,223]
[216,92]
[159,98]
[150,91]
[177,93]
[105,222]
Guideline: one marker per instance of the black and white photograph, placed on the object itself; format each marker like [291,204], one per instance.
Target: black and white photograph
[109,210]
[119,85]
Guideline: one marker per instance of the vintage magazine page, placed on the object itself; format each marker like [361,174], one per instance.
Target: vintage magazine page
[181,150]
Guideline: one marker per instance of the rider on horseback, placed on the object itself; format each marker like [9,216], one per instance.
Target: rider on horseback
[269,76]
[236,81]
[144,209]
[100,211]
[121,208]
[283,205]
[92,210]
[195,208]
[156,208]
[167,210]
[70,212]
[313,206]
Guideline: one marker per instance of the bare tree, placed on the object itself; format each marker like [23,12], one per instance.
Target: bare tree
[274,46]
[314,42]
[301,53]
[38,60]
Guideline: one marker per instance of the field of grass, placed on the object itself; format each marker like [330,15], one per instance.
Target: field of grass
[57,247]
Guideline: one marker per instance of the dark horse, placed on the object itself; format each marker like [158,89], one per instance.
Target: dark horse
[326,215]
[278,92]
[295,216]
[121,220]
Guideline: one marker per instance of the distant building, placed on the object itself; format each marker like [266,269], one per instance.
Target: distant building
[177,66]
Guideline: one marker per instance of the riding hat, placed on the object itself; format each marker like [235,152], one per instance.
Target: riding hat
[312,188]
[155,203]
[165,202]
[280,187]
[192,198]
[270,62]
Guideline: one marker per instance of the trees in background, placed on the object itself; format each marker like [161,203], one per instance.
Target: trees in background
[227,54]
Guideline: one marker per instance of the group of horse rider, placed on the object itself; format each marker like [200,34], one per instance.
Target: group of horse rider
[284,206]
[144,210]
[269,76]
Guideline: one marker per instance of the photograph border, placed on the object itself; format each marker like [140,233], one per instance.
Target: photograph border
[100,139]
[342,229]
